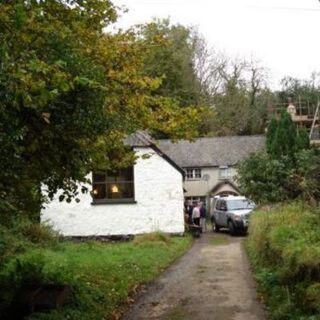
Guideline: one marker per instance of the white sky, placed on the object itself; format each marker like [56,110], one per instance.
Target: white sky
[283,34]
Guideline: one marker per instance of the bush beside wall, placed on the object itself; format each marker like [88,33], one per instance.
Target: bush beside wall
[284,248]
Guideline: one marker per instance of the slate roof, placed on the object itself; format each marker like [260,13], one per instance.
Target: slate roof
[139,139]
[143,139]
[209,152]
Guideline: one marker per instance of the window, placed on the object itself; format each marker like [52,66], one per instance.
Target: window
[113,186]
[240,204]
[193,173]
[189,173]
[224,173]
[196,199]
[197,173]
[221,205]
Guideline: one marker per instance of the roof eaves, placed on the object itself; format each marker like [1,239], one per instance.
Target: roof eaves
[168,159]
[222,183]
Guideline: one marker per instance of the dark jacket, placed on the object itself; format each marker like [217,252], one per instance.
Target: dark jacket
[189,210]
[203,212]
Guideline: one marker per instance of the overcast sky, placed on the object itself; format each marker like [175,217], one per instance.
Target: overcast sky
[283,34]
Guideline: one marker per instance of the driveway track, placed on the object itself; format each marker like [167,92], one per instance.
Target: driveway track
[211,281]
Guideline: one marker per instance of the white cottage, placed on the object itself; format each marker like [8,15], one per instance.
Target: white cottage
[144,198]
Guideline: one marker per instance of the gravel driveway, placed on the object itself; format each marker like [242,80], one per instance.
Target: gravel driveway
[211,281]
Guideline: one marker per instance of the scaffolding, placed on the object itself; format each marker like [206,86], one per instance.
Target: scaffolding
[304,115]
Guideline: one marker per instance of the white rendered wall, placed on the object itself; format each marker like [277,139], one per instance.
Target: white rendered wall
[159,197]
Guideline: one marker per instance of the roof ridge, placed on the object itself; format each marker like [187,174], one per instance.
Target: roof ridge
[144,137]
[211,138]
[218,151]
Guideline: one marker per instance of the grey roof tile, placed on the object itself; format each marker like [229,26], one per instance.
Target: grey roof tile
[207,152]
[139,139]
[143,139]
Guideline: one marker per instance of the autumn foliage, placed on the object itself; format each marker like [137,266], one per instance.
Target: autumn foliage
[69,93]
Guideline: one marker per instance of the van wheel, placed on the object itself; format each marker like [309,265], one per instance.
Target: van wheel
[232,229]
[215,227]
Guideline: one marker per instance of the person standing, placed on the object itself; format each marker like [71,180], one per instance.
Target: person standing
[203,217]
[196,214]
[190,210]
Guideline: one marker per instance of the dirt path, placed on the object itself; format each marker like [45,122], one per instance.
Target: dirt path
[212,281]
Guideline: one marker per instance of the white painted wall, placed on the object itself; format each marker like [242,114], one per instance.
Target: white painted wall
[159,196]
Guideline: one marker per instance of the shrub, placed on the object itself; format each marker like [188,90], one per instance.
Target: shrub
[284,247]
[10,244]
[18,273]
[23,236]
[37,233]
[288,169]
[153,237]
[21,260]
[313,296]
[265,180]
[268,180]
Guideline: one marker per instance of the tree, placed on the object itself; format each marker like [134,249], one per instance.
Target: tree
[271,133]
[284,138]
[170,55]
[240,104]
[265,180]
[233,94]
[69,93]
[299,90]
[287,170]
[209,64]
[232,105]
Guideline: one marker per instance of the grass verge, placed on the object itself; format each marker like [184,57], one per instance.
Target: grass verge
[102,275]
[284,248]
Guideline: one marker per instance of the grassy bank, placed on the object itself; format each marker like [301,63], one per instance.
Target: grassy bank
[284,248]
[101,275]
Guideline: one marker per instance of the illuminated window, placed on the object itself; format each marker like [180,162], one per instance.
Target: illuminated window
[113,186]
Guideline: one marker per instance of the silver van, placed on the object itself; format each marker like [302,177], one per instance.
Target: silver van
[231,212]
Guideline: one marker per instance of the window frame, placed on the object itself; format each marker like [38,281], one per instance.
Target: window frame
[107,182]
[193,173]
[226,170]
[223,205]
[197,173]
[188,175]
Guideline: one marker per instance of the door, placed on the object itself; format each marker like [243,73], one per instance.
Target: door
[220,213]
[223,213]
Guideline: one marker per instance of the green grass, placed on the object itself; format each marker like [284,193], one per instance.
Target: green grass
[284,248]
[102,275]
